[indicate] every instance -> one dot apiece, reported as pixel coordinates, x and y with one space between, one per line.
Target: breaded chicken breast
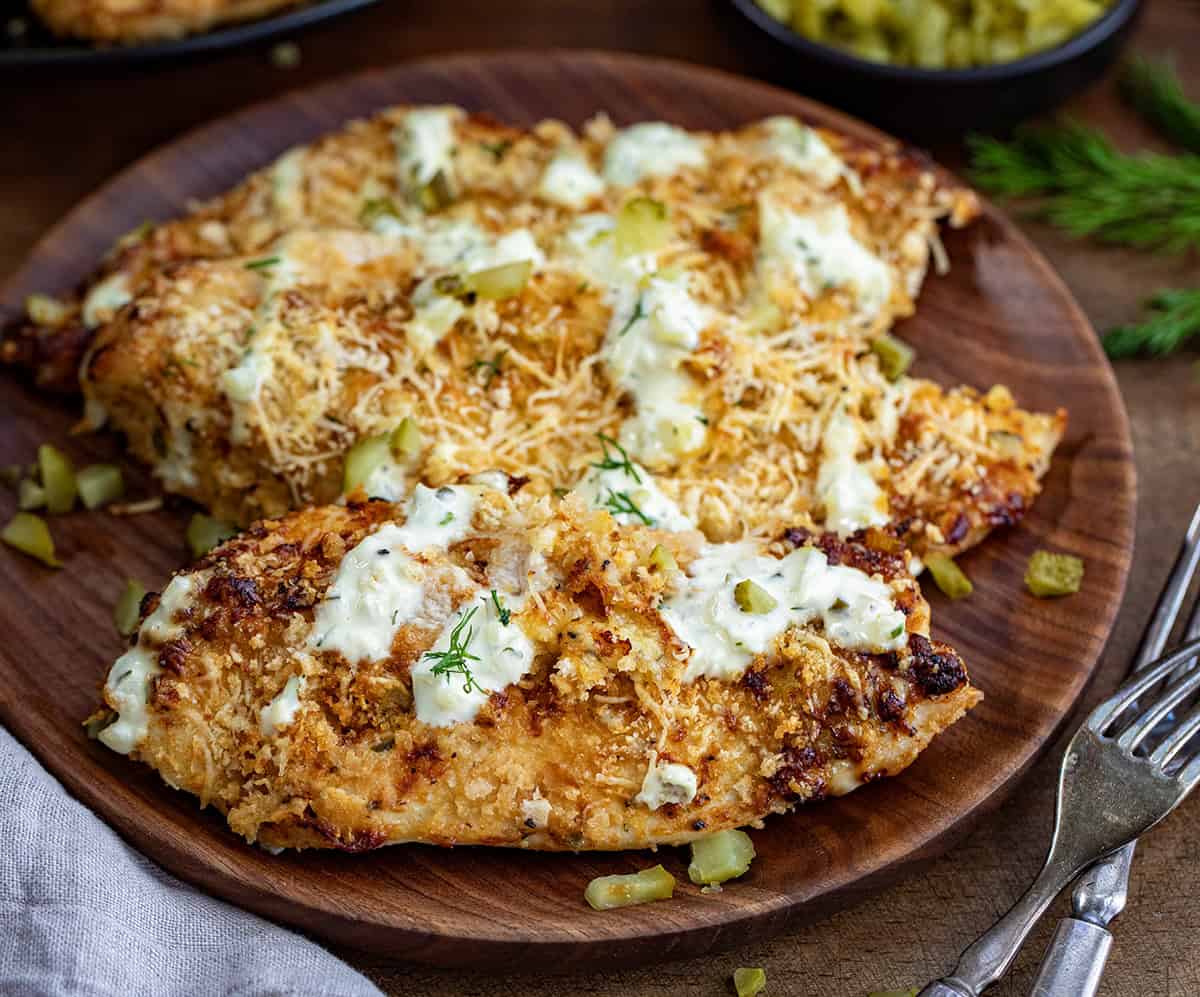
479 668
130 22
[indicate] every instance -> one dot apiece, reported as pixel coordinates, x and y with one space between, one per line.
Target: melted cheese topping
379 586
857 611
666 782
845 488
818 250
569 180
606 488
424 144
500 655
130 678
282 710
650 149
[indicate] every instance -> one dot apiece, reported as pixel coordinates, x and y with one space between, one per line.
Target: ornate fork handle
986 959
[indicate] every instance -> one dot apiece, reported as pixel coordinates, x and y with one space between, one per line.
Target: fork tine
1169 602
1177 739
1128 694
1172 696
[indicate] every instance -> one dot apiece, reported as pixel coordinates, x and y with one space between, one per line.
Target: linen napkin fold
82 913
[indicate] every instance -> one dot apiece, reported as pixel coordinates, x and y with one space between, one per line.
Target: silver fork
1122 773
1074 960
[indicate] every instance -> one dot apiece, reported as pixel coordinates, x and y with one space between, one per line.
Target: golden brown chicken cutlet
131 22
478 668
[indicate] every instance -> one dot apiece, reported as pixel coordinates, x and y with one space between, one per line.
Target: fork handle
984 961
1075 961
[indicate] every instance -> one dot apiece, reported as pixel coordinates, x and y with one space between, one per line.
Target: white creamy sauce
845 486
388 480
801 148
569 180
516 246
655 324
817 248
176 470
857 611
434 315
105 299
650 149
535 811
666 782
287 187
424 143
282 710
379 586
129 679
500 654
609 488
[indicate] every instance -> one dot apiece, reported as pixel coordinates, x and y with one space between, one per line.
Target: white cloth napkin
82 913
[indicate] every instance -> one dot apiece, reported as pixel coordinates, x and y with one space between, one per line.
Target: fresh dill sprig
638 313
491 366
1153 89
620 502
453 661
502 611
1174 317
619 462
263 264
1089 188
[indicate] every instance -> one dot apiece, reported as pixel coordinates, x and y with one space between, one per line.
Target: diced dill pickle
127 610
58 478
30 535
100 484
204 533
375 208
1053 574
895 357
606 892
948 575
362 459
46 311
436 194
721 856
663 559
748 982
30 495
642 226
98 721
504 281
753 598
405 440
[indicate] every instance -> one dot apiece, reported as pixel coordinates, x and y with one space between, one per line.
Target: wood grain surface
1000 316
76 131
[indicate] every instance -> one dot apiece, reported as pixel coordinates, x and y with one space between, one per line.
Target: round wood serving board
1001 315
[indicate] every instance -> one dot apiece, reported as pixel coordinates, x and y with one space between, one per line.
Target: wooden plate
1000 316
39 46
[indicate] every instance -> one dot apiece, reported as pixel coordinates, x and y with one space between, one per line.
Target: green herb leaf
1088 188
502 611
1152 88
1174 317
262 264
638 315
620 503
491 366
615 462
453 661
497 149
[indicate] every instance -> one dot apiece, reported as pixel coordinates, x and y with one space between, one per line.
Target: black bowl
939 101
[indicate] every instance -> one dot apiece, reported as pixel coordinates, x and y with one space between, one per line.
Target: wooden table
66 134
